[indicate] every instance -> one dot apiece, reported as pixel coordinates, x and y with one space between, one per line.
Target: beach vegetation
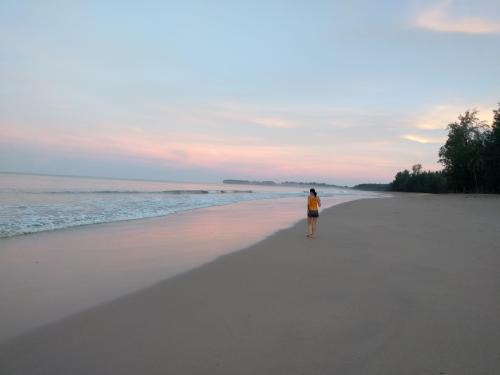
492 155
420 181
462 154
373 187
470 157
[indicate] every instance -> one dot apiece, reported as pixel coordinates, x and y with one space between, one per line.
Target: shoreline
401 285
49 275
188 210
69 203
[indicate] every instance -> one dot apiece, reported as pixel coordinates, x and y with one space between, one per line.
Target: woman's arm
319 202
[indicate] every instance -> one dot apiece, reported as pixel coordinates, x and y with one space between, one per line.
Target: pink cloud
423 139
238 158
439 116
438 18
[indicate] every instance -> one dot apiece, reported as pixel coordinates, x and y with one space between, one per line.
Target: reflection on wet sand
49 275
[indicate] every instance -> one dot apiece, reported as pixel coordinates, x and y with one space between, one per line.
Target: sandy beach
401 285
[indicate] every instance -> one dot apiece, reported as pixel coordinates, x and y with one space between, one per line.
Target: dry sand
403 285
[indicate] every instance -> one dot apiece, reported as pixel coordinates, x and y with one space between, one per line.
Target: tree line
470 157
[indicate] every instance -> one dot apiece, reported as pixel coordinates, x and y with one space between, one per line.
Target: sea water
36 203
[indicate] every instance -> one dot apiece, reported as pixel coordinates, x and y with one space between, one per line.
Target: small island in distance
285 183
372 187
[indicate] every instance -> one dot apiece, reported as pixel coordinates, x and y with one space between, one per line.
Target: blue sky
337 91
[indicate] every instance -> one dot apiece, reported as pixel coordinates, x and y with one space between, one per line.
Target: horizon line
172 181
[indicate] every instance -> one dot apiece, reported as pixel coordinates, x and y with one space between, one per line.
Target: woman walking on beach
313 204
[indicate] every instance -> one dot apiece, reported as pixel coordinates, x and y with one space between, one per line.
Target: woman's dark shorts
312 213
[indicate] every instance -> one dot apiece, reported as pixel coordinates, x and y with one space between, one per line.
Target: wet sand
403 285
47 276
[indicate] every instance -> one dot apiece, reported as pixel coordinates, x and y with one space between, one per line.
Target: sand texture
401 285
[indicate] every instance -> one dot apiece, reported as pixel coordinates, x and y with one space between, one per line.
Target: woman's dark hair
313 191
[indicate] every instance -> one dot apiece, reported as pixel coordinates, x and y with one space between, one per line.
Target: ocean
38 203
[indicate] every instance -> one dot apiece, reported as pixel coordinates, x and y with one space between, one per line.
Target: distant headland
285 183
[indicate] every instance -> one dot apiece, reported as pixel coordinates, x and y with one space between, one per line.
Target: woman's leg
313 226
309 226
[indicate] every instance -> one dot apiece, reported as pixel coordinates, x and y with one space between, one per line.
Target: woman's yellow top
312 204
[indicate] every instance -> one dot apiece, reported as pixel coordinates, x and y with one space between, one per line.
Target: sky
343 92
